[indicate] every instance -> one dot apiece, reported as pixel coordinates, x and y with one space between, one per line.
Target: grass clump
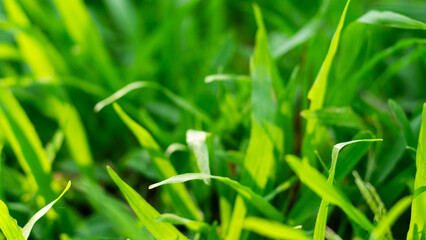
212 119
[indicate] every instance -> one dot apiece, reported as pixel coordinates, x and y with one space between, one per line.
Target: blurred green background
60 57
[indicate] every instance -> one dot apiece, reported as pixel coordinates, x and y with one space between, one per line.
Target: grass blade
391 19
164 168
418 207
192 225
247 193
321 221
317 93
259 159
179 101
403 123
8 225
26 144
317 183
146 213
273 230
26 230
197 142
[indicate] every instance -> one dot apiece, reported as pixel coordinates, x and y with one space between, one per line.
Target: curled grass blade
197 142
255 199
321 221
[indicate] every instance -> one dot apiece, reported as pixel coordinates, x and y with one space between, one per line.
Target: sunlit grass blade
8 52
146 213
163 166
317 93
318 90
317 183
389 219
418 207
255 199
273 229
8 225
320 224
26 230
197 142
391 19
21 135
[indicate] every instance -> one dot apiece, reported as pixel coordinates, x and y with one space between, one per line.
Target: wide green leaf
146 213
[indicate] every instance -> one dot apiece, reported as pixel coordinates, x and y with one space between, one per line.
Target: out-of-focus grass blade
8 225
83 32
196 141
304 34
343 98
190 224
53 146
389 219
226 77
343 117
273 229
259 159
145 212
165 169
391 19
403 123
26 230
320 224
21 135
371 196
179 101
317 183
281 188
255 199
418 208
8 51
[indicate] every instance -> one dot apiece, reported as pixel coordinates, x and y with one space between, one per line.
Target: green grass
212 119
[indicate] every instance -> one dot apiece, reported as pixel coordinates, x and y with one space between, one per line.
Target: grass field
196 119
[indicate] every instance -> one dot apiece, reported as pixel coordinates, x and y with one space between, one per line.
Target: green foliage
232 107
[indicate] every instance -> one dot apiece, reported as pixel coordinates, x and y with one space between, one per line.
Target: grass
212 119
